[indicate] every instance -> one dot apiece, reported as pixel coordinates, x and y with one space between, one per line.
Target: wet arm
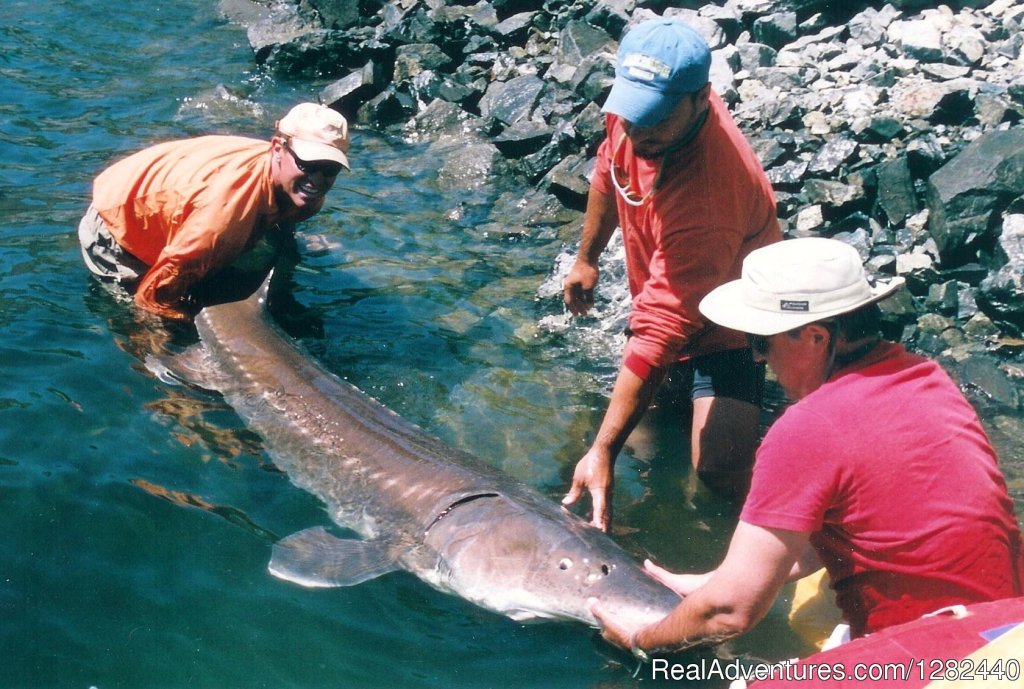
736 596
599 224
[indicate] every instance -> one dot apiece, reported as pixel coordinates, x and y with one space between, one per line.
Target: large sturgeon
419 504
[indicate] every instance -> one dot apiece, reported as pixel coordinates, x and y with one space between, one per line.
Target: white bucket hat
793 283
316 132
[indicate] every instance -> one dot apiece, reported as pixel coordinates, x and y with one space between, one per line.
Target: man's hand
613 631
683 584
578 288
594 473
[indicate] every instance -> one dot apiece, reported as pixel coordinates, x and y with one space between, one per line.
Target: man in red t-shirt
880 470
677 175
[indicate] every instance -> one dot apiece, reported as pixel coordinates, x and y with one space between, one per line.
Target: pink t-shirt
713 206
888 467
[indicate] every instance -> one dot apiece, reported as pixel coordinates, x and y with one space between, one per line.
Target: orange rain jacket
187 208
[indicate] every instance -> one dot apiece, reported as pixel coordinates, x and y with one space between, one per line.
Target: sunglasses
759 344
327 168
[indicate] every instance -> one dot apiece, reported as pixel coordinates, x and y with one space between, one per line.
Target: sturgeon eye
564 563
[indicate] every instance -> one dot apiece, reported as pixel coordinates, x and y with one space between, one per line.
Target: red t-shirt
713 206
888 467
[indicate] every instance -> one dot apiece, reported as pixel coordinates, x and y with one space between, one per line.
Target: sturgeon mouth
458 503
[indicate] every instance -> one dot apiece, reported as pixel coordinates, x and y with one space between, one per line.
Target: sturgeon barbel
418 504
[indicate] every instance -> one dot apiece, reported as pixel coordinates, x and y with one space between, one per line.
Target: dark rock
1001 295
969 273
965 195
414 58
834 153
987 377
775 30
882 129
343 14
569 181
523 138
468 165
515 29
348 93
512 101
896 193
787 175
443 118
943 298
924 156
387 108
611 15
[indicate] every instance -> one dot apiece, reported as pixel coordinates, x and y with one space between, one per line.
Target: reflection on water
139 515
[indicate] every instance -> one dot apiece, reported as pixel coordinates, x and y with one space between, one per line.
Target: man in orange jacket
166 218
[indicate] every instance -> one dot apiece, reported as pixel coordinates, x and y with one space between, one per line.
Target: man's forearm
599 224
630 398
694 622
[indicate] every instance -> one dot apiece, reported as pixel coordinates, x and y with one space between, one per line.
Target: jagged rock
386 108
869 27
896 193
511 101
1002 294
775 30
837 196
965 195
985 375
523 138
348 93
834 153
944 298
414 58
445 119
467 165
919 38
341 14
515 29
569 181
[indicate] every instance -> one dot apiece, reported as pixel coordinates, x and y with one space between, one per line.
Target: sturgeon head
530 560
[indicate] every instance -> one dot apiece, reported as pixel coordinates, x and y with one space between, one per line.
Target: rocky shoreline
897 128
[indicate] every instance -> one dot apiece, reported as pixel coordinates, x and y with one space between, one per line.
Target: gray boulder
966 195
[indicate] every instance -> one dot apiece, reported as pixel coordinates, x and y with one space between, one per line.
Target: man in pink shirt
167 218
677 175
880 470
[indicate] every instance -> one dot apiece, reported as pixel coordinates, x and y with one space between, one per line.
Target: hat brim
725 306
640 105
312 150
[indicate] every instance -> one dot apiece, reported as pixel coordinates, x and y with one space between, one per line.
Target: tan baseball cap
316 132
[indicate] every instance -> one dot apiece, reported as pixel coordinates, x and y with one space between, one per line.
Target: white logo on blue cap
645 67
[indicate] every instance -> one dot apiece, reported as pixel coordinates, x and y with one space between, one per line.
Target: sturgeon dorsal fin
263 293
315 558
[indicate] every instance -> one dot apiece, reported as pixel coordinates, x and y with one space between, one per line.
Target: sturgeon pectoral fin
315 558
189 367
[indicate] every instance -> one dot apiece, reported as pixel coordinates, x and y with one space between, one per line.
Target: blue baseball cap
659 61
